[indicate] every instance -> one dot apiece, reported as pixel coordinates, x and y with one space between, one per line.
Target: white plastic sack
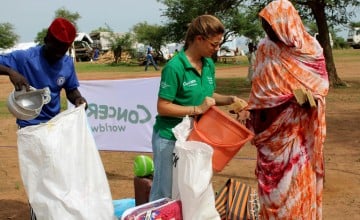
192 173
62 171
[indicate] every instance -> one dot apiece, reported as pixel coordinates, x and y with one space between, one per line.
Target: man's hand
75 97
79 101
18 81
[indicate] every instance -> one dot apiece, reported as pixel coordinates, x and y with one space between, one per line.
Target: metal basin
27 105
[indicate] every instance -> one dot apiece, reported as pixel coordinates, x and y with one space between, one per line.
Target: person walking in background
46 66
289 136
96 54
187 87
251 59
150 58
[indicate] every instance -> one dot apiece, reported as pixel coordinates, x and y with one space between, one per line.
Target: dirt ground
342 152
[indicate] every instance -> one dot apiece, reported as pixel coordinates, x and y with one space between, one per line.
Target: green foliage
340 43
311 27
71 16
40 36
8 38
246 23
326 14
151 34
241 16
180 13
121 41
337 11
355 24
119 44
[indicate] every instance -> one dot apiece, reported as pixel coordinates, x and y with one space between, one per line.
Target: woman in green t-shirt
186 88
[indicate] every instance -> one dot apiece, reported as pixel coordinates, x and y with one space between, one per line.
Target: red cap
63 30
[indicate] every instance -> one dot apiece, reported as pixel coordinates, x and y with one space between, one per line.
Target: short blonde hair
204 25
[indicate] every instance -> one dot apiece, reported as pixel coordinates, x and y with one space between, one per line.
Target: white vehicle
354 38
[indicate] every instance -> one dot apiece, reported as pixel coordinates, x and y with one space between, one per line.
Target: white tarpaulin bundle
62 170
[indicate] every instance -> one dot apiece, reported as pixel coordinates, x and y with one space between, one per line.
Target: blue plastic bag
121 205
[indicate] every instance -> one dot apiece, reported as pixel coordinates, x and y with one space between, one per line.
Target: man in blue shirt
46 66
150 58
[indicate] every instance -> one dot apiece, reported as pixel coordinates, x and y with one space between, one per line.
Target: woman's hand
243 116
238 107
207 103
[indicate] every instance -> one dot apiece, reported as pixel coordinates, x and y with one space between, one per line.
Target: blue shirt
149 53
40 74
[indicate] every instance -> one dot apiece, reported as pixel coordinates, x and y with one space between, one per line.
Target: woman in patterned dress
289 136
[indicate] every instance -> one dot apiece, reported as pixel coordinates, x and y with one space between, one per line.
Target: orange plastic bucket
223 133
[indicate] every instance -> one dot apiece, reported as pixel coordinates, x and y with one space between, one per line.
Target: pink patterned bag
157 210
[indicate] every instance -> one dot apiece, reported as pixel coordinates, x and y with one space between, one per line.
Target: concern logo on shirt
60 81
190 83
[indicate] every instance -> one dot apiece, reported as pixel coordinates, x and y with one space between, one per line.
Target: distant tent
19 46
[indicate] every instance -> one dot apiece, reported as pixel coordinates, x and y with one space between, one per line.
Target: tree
39 39
59 13
334 11
318 10
355 24
8 38
151 34
119 44
64 13
247 24
338 42
180 13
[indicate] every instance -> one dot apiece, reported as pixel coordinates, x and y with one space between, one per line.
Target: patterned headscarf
296 61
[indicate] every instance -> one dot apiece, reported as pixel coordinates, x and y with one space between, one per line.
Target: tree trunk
318 9
117 54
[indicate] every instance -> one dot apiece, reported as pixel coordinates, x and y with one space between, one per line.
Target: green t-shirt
183 85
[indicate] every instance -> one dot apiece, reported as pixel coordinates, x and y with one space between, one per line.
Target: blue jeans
163 167
150 59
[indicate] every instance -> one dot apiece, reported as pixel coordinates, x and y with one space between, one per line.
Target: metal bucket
27 105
